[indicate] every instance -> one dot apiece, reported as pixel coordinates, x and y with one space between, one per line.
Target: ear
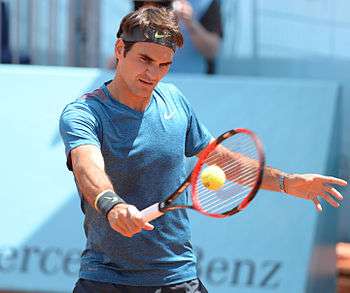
119 48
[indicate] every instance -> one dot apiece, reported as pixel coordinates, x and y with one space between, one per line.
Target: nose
153 72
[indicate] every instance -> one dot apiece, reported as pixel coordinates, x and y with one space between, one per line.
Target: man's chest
157 138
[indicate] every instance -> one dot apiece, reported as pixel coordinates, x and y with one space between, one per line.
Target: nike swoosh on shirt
168 116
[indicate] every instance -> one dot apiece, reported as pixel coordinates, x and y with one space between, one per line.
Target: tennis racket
239 154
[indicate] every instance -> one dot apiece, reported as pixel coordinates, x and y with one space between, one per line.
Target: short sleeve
197 135
78 126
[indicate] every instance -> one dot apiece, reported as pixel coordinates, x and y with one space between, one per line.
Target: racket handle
151 213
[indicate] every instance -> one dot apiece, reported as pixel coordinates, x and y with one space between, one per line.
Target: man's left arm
306 186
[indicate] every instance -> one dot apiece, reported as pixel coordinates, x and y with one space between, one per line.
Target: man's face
143 66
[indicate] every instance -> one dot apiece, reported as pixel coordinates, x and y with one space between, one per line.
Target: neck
121 92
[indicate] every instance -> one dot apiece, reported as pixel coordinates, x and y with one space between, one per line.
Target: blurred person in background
201 26
6 56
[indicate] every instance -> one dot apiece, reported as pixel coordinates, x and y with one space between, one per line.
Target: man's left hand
312 186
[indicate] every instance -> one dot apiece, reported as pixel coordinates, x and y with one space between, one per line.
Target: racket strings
204 190
234 166
238 159
236 188
209 199
222 205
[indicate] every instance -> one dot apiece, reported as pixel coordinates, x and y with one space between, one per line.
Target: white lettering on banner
49 260
216 272
242 273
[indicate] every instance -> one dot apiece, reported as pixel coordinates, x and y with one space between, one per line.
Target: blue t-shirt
145 158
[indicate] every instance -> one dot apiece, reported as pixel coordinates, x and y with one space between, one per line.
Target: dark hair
127 47
139 4
159 18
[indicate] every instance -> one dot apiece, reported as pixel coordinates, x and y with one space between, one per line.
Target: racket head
243 175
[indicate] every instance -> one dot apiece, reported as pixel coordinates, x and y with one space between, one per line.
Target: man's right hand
127 220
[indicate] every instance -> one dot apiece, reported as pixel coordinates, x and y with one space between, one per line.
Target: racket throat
162 207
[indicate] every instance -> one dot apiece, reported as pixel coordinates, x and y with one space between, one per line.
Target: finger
130 225
141 223
334 192
148 227
127 225
136 218
317 204
122 230
330 200
137 223
333 180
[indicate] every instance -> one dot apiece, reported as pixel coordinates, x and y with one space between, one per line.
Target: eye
164 65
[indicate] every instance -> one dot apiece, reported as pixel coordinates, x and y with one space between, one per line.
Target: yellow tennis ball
213 177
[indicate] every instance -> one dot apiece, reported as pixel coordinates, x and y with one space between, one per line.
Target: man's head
147 40
151 24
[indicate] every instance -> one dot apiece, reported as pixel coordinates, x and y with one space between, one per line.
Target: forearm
223 157
271 179
206 42
91 180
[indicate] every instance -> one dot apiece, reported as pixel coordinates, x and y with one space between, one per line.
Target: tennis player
126 143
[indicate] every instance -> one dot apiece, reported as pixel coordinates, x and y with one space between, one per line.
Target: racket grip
151 213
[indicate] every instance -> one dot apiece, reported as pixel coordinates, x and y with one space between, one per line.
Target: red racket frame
204 155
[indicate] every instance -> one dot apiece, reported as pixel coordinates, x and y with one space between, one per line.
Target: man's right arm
89 171
88 168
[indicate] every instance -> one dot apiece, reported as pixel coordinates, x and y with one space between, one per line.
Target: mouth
146 82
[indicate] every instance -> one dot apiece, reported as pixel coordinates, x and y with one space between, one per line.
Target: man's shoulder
169 91
95 95
89 100
166 88
87 104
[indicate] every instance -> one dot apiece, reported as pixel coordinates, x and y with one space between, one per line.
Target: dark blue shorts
87 286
